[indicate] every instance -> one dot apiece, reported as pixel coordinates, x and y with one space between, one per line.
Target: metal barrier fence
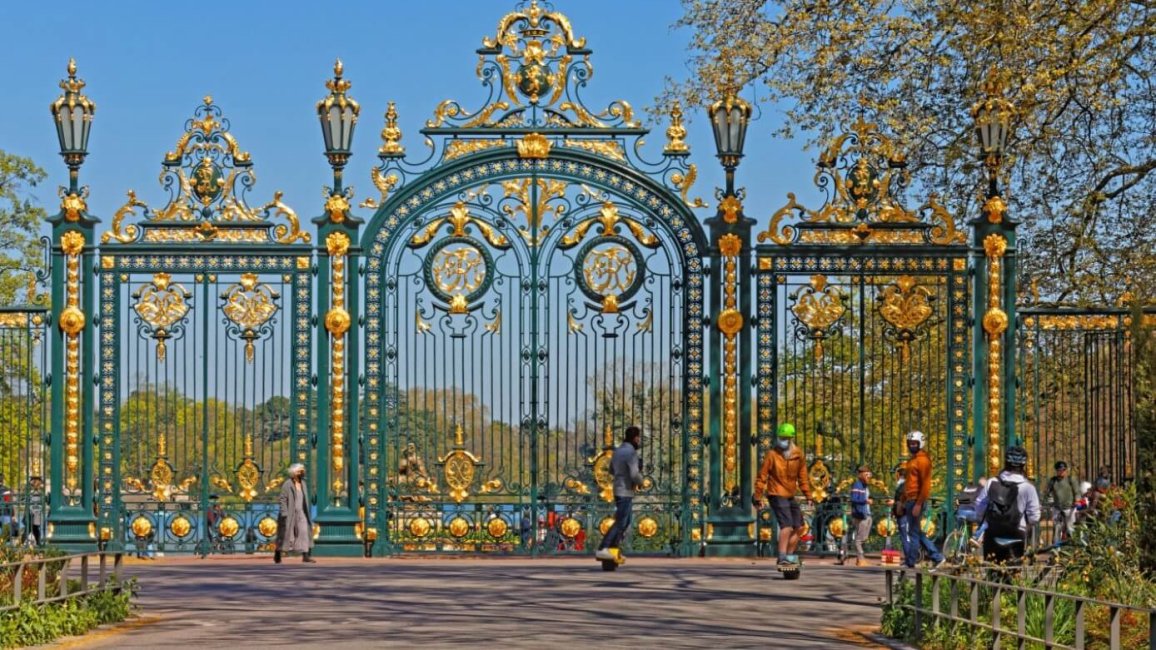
54 575
979 598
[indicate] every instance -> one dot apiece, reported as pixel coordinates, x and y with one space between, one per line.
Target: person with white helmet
916 492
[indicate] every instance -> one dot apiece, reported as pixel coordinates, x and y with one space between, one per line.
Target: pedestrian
624 467
1062 492
861 502
294 522
36 509
1010 507
781 476
916 492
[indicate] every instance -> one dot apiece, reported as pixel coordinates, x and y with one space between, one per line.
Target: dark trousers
622 508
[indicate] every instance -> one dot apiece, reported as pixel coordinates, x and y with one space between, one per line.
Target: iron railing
979 597
59 587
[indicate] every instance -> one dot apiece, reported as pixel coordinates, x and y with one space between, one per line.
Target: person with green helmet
782 475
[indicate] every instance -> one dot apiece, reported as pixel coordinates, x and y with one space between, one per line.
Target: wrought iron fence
23 421
58 578
1041 617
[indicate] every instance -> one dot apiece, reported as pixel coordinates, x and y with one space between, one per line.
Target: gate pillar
730 522
994 250
339 439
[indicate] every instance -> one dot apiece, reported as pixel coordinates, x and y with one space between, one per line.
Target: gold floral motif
267 526
419 527
730 207
229 527
534 145
73 205
533 214
459 527
995 323
161 305
72 322
249 305
819 308
338 207
647 527
730 245
570 527
459 148
337 322
141 526
180 526
1077 322
607 148
730 321
605 525
905 306
459 468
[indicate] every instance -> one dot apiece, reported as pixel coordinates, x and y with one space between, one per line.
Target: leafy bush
37 624
1103 563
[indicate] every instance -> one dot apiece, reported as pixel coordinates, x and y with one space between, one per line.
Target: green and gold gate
863 323
532 290
205 359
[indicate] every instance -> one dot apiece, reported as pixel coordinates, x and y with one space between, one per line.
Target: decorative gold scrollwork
818 309
249 305
906 308
459 269
459 468
610 267
162 306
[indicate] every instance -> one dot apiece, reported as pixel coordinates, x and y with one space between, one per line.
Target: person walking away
624 466
36 509
782 474
1061 494
916 492
861 502
294 523
1010 507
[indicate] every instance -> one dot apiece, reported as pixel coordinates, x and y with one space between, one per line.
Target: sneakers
939 565
860 562
783 561
604 554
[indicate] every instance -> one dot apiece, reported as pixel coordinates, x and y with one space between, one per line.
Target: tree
21 255
1081 157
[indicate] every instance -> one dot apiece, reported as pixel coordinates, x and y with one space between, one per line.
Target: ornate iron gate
863 328
531 293
23 419
205 354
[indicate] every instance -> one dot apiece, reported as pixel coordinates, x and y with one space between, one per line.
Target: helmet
786 430
1016 457
917 436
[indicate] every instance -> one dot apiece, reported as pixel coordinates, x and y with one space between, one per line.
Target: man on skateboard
781 476
624 465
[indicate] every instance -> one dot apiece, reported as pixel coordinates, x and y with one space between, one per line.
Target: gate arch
528 294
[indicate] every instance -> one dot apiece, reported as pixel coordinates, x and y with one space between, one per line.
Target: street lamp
729 117
992 125
73 112
338 116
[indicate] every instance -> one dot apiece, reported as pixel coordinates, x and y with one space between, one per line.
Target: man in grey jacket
1009 496
627 476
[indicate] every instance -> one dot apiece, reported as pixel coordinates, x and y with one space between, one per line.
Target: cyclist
782 474
1010 507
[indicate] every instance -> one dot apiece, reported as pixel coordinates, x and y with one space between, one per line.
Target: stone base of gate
731 533
338 539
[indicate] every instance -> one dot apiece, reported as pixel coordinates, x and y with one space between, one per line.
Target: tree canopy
20 220
1079 173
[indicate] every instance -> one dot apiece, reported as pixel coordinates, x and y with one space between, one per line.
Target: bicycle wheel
954 547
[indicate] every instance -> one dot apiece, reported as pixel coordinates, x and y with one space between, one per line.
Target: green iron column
338 474
72 479
730 520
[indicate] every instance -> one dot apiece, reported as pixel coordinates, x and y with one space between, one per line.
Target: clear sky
148 64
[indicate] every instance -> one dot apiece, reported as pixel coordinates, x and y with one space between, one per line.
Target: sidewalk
490 603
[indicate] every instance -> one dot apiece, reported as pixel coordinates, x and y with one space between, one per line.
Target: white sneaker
604 554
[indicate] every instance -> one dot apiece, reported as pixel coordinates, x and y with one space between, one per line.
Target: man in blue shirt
860 513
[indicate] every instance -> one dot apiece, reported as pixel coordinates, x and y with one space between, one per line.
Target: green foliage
1103 564
20 220
37 624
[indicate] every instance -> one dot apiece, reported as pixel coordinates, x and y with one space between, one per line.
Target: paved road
450 603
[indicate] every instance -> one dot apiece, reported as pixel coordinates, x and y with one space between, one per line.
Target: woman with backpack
1011 506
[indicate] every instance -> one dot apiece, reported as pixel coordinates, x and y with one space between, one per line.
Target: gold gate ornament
459 467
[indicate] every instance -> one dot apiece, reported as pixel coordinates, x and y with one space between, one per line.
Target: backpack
1003 509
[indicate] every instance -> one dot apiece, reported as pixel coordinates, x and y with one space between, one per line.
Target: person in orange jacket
782 474
916 492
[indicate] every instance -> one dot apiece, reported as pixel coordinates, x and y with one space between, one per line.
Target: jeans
622 506
914 538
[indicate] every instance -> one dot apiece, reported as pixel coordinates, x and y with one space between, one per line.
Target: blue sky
148 64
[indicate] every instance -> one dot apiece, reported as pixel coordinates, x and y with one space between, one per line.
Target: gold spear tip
71 68
338 68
